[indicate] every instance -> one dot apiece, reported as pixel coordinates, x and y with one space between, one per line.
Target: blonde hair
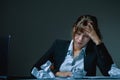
82 21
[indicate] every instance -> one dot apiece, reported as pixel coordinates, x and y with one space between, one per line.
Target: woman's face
81 39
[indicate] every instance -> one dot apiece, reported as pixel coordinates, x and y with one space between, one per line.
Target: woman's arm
63 74
104 59
47 56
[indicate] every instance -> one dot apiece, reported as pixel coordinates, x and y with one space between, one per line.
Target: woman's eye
86 36
78 34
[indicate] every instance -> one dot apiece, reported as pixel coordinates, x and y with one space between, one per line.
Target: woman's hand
89 30
63 74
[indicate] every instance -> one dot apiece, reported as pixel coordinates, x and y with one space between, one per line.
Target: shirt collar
71 46
70 49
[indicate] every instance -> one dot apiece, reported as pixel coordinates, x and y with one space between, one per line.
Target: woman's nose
80 38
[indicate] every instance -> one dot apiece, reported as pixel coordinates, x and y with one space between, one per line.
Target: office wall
35 24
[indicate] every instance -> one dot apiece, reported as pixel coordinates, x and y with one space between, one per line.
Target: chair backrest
4 45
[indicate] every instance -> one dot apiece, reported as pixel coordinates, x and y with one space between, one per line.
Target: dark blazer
95 56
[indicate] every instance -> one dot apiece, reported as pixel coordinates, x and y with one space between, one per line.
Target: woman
85 51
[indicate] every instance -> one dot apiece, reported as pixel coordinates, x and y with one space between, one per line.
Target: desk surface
63 78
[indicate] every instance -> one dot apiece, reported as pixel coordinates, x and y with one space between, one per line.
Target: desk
68 78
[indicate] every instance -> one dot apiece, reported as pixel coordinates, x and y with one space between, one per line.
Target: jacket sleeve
104 60
47 56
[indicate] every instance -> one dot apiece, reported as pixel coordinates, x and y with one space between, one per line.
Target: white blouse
70 63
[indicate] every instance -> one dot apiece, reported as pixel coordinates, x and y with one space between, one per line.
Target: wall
35 24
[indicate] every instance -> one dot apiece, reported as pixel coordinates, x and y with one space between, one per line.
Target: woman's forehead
81 32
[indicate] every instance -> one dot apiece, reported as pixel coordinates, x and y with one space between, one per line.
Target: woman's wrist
98 42
63 74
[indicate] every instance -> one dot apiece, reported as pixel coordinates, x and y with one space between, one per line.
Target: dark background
35 24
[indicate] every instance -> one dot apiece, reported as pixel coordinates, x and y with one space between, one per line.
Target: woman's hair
83 21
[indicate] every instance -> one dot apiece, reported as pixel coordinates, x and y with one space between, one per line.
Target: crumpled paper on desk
44 73
78 73
114 71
